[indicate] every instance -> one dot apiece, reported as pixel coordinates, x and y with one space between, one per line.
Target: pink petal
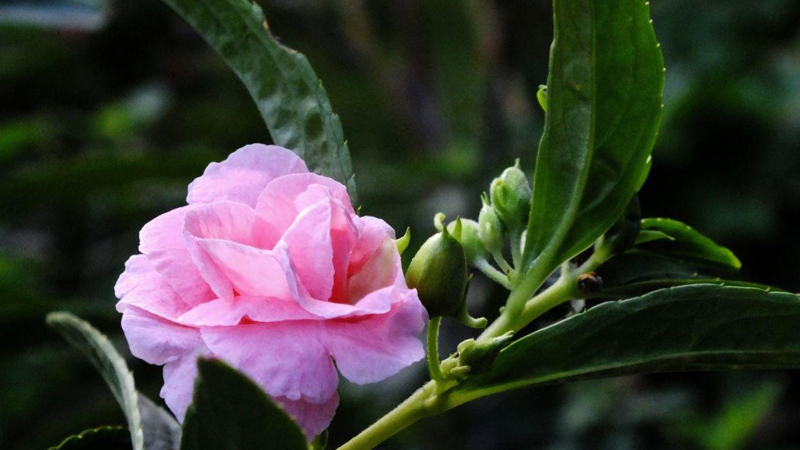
257 309
217 227
376 347
245 173
313 418
372 232
308 243
161 240
277 202
286 359
179 378
157 340
251 271
382 269
142 287
230 221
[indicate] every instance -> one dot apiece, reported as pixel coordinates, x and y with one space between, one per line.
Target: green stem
501 261
436 397
516 248
434 366
405 414
492 273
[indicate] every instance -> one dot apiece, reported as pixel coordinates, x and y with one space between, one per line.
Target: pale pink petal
379 346
161 240
179 378
277 202
230 221
255 309
284 358
382 269
217 225
157 340
308 243
142 287
313 418
251 271
372 232
245 173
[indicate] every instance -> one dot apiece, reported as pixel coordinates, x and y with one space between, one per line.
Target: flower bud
490 229
479 356
511 197
469 238
439 273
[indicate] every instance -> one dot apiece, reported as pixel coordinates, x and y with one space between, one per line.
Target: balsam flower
270 269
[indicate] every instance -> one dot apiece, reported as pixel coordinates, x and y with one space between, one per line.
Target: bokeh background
109 108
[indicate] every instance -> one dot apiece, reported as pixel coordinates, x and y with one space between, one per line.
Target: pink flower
270 269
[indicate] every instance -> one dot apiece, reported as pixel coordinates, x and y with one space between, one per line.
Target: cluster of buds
439 270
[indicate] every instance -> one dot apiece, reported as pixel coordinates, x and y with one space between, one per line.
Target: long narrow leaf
695 327
603 112
151 428
286 90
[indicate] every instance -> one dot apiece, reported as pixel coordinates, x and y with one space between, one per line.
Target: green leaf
320 442
151 428
287 92
100 438
687 243
695 327
161 430
604 107
646 236
735 425
231 412
108 361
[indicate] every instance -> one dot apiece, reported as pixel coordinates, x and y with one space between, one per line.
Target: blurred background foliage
110 108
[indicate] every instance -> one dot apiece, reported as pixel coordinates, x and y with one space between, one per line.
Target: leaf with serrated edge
695 327
106 438
230 411
604 108
287 92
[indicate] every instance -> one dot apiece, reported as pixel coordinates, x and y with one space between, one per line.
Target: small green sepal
542 97
403 241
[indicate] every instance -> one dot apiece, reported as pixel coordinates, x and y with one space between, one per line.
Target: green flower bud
469 238
490 229
511 197
439 273
479 356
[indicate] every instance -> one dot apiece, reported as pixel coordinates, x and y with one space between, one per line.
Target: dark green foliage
286 90
230 412
696 327
604 107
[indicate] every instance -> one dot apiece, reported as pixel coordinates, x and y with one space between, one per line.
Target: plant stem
437 396
434 366
501 261
405 414
492 273
516 248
